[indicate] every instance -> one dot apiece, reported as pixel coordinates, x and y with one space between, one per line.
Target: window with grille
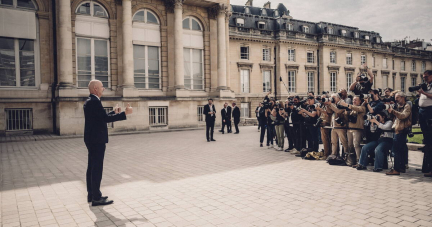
349 59
291 55
311 81
356 35
93 61
362 59
266 54
403 85
244 111
107 110
244 53
193 69
423 65
330 30
240 22
266 80
413 81
393 64
384 63
146 67
349 80
305 29
385 81
403 65
291 81
244 80
333 82
19 119
373 61
289 27
394 82
200 113
413 66
158 116
343 32
310 57
333 57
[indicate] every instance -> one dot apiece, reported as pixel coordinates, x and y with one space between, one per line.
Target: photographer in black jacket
298 126
310 118
425 120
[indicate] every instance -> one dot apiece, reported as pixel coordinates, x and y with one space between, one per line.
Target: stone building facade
166 57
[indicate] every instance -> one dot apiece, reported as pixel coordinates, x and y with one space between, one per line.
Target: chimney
249 3
267 5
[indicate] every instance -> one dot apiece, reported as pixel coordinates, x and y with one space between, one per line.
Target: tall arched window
193 43
146 43
92 44
19 43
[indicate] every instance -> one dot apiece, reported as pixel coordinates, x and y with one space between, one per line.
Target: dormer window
247 10
240 22
329 30
366 37
263 12
261 25
276 13
289 27
305 29
343 32
356 35
378 40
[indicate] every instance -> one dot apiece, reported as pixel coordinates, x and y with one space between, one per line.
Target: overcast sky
393 19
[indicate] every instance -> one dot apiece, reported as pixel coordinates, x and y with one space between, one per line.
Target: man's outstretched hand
128 109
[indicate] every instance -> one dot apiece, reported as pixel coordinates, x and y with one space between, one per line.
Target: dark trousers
313 140
259 124
399 149
209 129
425 113
270 130
236 125
96 154
228 125
262 123
289 131
299 136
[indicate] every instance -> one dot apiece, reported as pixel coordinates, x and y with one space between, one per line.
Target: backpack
336 160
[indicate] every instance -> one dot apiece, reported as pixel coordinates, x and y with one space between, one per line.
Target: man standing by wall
96 138
210 117
257 112
226 119
236 116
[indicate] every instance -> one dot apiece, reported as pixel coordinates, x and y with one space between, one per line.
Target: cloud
393 19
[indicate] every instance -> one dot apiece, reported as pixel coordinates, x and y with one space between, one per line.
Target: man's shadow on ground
103 216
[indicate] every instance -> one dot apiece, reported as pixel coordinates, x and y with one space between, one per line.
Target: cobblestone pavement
179 179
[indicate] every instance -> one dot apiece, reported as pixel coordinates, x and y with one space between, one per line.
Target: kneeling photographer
355 114
378 147
402 124
425 120
339 123
310 118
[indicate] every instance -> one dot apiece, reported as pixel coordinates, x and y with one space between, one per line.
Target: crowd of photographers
370 125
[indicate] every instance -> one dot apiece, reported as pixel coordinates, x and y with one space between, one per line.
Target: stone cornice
267 66
311 67
171 4
349 69
333 67
292 67
243 65
385 72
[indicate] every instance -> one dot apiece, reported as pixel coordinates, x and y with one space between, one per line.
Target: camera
388 106
281 109
422 86
352 118
363 77
298 108
391 99
316 105
368 117
326 100
342 107
302 101
318 123
340 121
365 96
266 104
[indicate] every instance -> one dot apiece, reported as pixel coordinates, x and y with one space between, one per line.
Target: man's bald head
96 88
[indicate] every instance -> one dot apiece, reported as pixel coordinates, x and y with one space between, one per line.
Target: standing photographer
356 125
279 122
257 112
325 116
372 107
310 117
344 96
270 125
401 125
298 125
425 120
363 84
339 123
289 130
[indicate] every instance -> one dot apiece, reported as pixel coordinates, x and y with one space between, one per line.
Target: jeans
270 129
399 149
313 133
280 135
379 147
354 139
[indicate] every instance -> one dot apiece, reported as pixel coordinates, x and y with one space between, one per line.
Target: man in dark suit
210 117
236 116
96 138
226 118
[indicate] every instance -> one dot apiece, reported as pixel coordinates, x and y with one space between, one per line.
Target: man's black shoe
102 202
223 132
236 132
377 170
360 167
213 140
261 145
208 140
89 198
220 131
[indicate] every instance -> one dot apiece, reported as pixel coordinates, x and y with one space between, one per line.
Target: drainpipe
275 77
318 72
54 84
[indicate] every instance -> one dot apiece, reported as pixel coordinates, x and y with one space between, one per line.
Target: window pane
84 9
139 16
195 25
27 65
153 69
101 60
7 2
186 23
187 69
197 56
99 11
25 4
84 62
139 66
7 62
151 18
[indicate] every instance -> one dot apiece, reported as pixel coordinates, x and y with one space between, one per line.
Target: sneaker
271 146
287 150
280 149
360 167
295 151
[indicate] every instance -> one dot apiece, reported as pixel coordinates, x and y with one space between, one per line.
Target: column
221 41
65 44
128 64
178 45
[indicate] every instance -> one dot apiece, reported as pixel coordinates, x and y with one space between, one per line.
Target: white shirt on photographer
424 101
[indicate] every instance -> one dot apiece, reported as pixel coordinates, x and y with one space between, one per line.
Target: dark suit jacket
208 116
236 114
229 112
96 119
226 115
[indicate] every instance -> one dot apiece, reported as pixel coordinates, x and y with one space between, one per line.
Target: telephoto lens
318 123
365 96
388 106
422 86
